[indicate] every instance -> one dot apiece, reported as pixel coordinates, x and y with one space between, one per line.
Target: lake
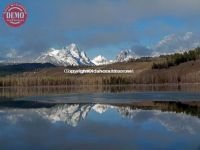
114 118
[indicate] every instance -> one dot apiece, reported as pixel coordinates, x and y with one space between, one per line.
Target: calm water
127 119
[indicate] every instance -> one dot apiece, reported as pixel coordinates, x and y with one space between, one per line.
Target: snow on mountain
101 108
67 56
125 55
100 60
70 114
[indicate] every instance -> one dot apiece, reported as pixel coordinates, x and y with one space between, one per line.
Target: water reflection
72 114
14 92
138 125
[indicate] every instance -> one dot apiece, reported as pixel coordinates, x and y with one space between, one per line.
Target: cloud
93 24
177 42
11 54
169 44
141 51
108 12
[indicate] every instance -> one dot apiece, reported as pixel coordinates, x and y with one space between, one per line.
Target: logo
15 15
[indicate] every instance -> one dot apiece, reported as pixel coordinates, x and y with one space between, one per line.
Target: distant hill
19 68
177 59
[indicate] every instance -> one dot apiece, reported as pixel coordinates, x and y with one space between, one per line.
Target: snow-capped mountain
72 114
125 55
100 60
67 56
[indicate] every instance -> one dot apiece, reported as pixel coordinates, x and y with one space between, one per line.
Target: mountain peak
69 56
100 60
100 57
125 55
72 46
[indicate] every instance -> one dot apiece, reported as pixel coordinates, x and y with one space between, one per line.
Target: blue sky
103 27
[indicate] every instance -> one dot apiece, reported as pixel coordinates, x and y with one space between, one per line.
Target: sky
148 27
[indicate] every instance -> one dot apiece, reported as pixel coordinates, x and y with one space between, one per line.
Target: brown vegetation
187 72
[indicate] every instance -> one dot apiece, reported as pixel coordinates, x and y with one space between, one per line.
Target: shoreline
105 85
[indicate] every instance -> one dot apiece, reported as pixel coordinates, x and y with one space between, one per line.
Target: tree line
178 58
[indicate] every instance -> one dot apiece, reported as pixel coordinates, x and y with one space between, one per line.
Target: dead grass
188 72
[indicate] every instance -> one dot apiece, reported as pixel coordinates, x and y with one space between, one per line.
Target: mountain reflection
175 116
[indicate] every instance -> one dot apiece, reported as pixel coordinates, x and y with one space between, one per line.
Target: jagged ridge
68 56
